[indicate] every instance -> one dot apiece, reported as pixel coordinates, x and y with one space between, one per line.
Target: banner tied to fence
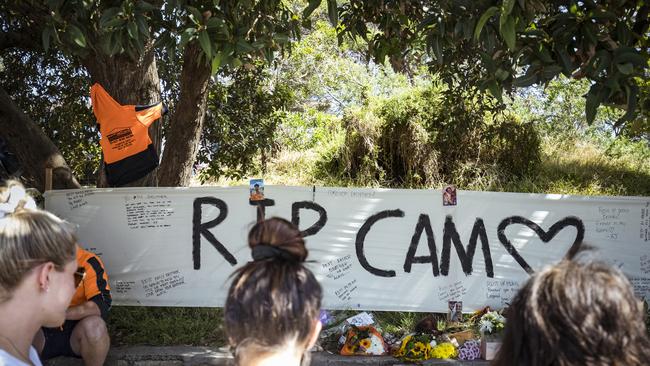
372 249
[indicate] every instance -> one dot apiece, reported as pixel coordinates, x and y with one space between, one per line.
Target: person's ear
315 331
43 276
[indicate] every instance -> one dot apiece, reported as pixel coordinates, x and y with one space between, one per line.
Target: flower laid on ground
415 348
491 322
365 340
444 350
470 350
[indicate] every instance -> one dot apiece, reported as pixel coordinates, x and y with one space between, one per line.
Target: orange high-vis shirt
94 286
128 150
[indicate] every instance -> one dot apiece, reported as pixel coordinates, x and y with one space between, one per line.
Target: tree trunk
130 82
182 142
33 148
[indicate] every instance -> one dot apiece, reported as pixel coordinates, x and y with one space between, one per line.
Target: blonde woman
37 273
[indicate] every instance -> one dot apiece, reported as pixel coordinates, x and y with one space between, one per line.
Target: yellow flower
365 343
444 350
419 347
404 343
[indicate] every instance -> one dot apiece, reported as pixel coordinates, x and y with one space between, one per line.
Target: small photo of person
455 311
449 196
256 189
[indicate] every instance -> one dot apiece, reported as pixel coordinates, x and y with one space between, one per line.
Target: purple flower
470 350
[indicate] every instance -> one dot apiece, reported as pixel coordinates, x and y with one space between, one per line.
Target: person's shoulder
84 255
7 359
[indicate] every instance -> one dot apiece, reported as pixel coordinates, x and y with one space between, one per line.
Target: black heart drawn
546 236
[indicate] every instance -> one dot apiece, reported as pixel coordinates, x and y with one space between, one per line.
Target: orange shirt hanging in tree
128 151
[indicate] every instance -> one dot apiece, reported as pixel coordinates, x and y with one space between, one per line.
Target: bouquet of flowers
444 350
492 322
470 350
415 348
363 341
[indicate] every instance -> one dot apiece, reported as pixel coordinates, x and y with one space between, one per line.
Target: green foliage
512 146
301 131
241 123
357 156
499 44
53 91
229 32
418 139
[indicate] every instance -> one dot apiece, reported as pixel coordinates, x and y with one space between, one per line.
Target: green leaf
437 50
601 62
631 92
544 54
145 6
47 34
508 33
468 29
551 71
142 25
186 36
626 68
204 40
195 14
281 38
523 81
333 12
214 22
235 62
506 7
495 90
108 15
588 33
567 64
631 55
484 18
76 35
593 100
501 74
227 50
132 28
244 47
313 5
602 14
216 62
114 23
138 45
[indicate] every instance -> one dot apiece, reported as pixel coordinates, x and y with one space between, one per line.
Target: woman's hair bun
277 239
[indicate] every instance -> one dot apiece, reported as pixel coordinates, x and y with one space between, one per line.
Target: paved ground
195 356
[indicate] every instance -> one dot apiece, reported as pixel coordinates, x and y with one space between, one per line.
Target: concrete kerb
195 356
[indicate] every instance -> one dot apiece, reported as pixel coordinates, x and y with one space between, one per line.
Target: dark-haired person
37 273
575 313
84 333
272 310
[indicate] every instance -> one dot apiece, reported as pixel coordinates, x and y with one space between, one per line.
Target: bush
512 146
354 155
420 139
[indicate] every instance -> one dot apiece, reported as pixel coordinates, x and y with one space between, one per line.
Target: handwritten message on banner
372 249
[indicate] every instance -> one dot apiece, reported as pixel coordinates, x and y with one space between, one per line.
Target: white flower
485 326
376 346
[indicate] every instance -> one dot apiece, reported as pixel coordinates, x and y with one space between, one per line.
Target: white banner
373 249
